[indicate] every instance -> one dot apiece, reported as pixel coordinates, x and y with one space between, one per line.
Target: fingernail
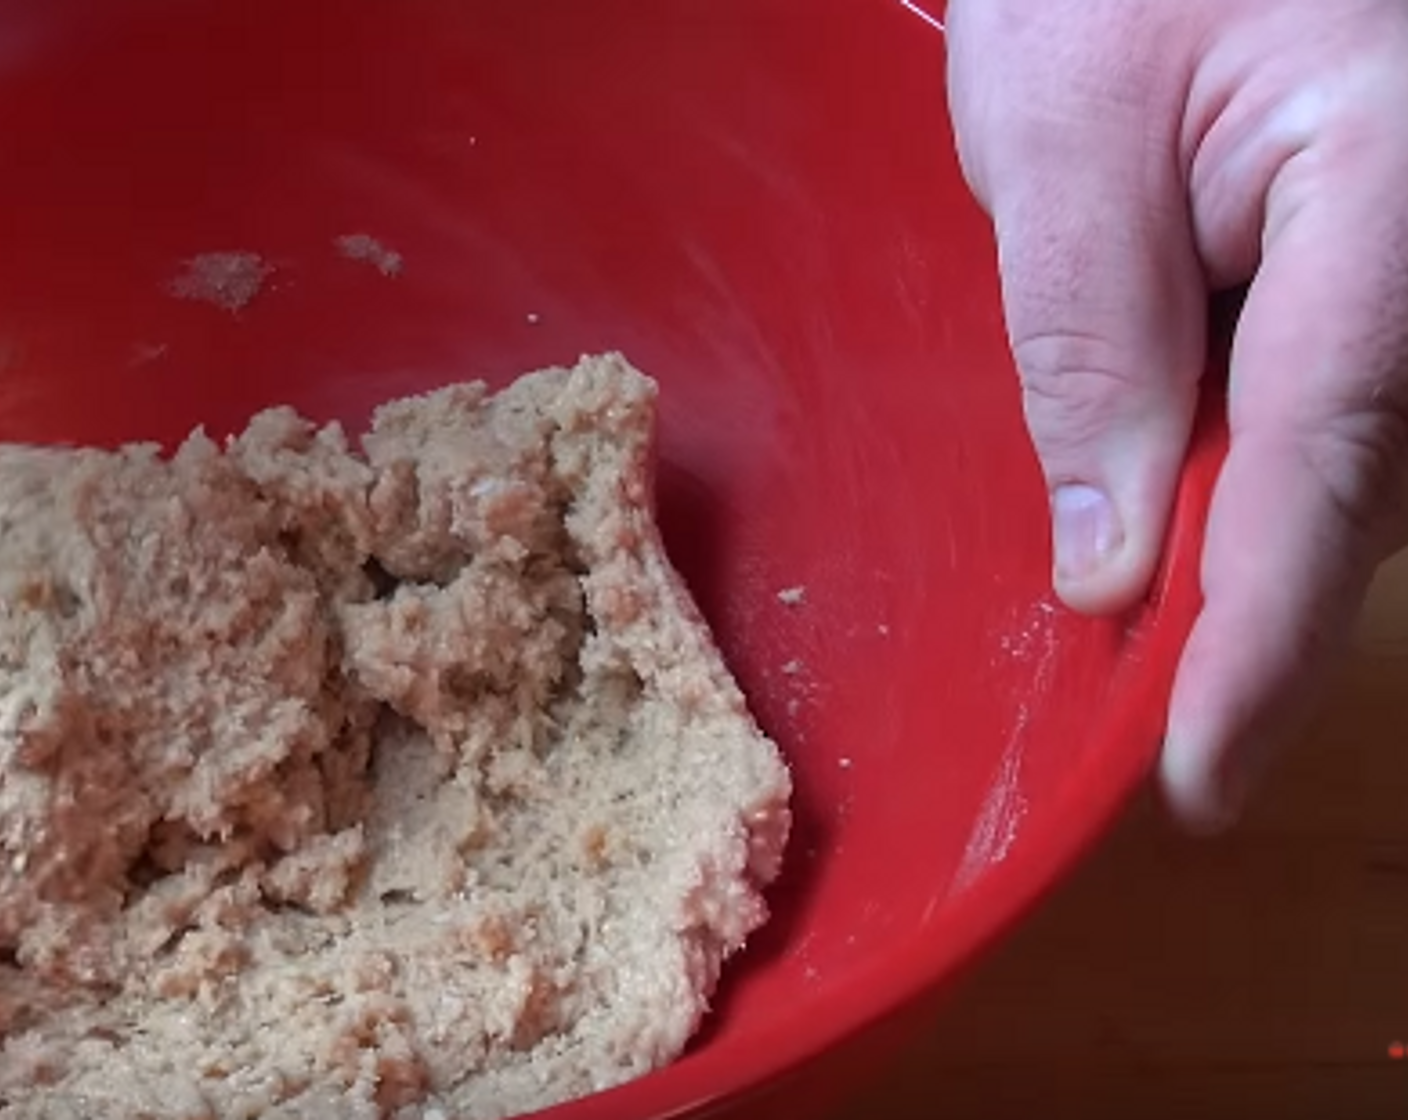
1086 529
1220 817
1243 773
1224 810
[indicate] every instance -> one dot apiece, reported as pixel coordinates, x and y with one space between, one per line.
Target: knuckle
1073 385
1361 458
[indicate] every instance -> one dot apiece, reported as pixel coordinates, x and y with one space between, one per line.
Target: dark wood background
1260 974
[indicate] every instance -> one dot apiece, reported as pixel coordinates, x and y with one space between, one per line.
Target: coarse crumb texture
387 780
229 281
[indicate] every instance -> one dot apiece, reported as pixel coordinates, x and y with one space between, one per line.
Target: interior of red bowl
758 203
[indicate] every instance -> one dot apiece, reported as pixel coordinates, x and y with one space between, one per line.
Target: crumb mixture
391 780
229 281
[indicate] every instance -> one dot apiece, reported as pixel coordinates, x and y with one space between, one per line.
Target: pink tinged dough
377 780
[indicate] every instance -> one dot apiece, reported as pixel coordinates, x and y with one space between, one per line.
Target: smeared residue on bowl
144 353
227 280
800 685
365 247
1033 642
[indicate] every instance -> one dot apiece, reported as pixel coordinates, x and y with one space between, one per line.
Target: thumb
1102 290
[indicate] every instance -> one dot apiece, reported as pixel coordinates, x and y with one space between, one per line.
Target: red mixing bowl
757 201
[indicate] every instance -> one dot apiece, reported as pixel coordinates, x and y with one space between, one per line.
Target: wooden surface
1262 974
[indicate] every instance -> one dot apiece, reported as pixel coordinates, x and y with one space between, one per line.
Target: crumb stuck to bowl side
365 247
229 281
365 781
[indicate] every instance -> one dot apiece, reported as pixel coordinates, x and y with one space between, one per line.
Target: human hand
1136 155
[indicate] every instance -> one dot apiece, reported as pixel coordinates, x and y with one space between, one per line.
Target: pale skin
1135 156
